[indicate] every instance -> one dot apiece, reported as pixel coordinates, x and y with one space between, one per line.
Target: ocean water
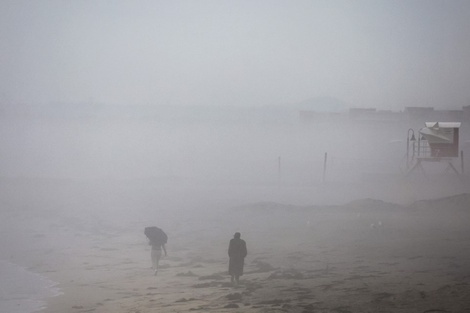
22 291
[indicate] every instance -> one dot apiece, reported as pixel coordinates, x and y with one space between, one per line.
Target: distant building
466 112
418 113
362 113
310 117
414 116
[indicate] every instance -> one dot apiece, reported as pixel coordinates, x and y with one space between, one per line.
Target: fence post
461 162
324 167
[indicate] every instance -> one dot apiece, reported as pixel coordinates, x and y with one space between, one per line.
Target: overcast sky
384 54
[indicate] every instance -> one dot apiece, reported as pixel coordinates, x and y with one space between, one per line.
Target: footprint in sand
212 277
207 285
287 274
187 274
231 306
275 302
234 296
185 300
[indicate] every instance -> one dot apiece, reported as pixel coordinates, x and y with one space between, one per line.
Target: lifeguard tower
438 142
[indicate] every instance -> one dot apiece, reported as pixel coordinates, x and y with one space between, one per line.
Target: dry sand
363 256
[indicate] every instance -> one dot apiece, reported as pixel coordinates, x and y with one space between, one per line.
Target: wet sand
365 255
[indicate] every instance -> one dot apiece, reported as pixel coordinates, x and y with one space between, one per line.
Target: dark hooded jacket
237 252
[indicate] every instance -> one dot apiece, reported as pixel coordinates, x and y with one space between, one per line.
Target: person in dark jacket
237 253
157 239
156 254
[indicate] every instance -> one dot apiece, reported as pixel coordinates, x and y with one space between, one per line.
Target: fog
119 115
210 92
242 151
385 54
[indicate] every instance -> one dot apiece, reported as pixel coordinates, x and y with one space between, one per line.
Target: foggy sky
384 54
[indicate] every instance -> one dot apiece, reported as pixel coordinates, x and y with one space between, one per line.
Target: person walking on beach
157 239
237 252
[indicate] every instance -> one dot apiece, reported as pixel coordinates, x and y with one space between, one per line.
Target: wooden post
407 152
324 167
461 162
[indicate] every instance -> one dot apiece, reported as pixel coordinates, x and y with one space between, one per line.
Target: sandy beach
365 255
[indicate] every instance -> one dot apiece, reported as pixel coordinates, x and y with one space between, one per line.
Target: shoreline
24 290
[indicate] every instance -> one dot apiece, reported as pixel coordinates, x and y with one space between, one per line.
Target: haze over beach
297 124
